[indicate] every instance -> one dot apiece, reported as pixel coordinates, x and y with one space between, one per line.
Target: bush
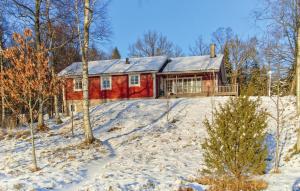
226 183
235 146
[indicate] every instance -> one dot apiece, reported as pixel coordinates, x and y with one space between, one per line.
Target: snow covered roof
145 64
193 63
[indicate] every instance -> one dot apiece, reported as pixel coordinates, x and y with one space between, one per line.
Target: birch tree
84 44
279 118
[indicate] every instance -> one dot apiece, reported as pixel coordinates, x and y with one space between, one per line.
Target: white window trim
74 85
110 80
134 85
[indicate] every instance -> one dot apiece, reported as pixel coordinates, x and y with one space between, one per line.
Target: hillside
139 150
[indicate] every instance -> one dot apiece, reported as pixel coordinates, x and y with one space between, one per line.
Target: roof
145 64
193 63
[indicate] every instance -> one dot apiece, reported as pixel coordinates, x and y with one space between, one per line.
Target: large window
184 85
134 80
106 82
78 84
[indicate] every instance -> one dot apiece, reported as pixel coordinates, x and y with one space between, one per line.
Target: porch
195 86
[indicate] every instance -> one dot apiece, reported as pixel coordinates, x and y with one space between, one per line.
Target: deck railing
228 90
225 90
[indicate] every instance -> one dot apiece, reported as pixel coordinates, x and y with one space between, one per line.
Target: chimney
127 61
212 50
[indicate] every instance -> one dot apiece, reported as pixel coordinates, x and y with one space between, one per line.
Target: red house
148 77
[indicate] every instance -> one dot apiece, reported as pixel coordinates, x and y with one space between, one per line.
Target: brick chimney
127 61
212 50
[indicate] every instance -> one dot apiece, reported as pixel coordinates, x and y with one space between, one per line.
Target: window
184 85
134 80
170 86
106 83
78 84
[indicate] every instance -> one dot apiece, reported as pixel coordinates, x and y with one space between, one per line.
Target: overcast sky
182 21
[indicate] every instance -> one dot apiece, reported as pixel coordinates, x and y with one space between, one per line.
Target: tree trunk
89 138
65 108
40 114
35 168
2 89
277 151
38 45
298 138
298 79
293 86
56 110
37 24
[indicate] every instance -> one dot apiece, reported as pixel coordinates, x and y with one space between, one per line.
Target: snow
139 150
145 64
194 63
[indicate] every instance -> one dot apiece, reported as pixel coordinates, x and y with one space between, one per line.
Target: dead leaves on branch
28 75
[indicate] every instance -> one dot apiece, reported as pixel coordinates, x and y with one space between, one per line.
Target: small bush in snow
235 145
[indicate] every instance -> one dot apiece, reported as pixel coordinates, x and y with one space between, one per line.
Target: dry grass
43 128
291 153
114 129
22 134
231 184
2 135
71 157
185 189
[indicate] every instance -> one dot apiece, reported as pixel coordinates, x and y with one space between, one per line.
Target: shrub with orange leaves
28 76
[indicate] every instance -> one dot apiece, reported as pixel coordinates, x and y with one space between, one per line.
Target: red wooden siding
120 88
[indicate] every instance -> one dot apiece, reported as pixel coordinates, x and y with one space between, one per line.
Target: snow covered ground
140 150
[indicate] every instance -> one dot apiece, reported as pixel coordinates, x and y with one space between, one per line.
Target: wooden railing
228 90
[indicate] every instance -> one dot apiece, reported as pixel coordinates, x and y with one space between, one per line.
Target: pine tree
115 54
235 145
227 63
257 83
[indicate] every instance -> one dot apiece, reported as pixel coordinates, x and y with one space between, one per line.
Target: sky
182 21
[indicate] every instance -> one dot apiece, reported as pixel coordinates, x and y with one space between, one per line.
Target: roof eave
111 74
189 71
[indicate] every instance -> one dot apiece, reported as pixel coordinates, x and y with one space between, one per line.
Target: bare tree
199 48
282 18
177 51
279 117
152 44
221 37
240 53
